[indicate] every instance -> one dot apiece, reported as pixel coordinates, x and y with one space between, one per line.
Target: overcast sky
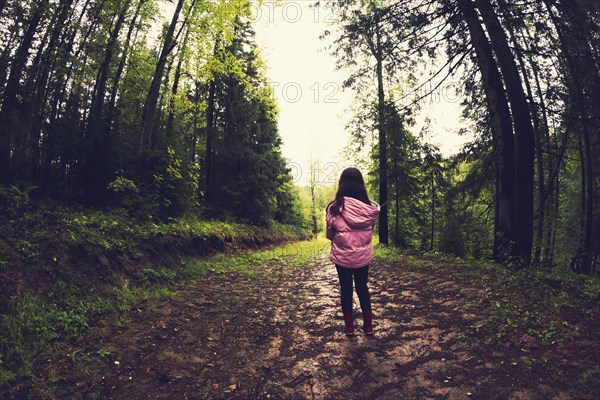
313 108
306 85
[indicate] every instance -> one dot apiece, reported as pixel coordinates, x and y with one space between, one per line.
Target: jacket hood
359 215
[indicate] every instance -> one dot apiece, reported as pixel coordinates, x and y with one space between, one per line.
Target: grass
251 263
35 323
30 323
547 306
114 230
591 375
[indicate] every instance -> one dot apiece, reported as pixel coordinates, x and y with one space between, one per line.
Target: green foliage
288 210
116 231
162 275
127 196
6 376
123 185
125 297
13 195
33 323
13 199
466 228
27 252
251 263
324 193
518 303
250 178
176 185
30 327
42 322
591 376
106 159
103 353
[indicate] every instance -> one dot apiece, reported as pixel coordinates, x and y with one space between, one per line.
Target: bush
175 185
163 275
13 199
129 197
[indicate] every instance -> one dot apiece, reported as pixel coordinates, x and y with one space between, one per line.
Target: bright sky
307 87
313 108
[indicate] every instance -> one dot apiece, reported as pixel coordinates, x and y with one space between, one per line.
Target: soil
279 335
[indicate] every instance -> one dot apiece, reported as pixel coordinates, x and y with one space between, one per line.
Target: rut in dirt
280 336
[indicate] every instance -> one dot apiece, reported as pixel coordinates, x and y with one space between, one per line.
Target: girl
350 220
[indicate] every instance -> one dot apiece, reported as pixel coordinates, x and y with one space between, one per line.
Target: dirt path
228 337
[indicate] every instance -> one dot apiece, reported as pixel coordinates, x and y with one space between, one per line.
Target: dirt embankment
40 249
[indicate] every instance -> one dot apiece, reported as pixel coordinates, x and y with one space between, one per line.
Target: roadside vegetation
63 270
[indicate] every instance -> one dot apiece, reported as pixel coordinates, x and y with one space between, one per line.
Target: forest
525 191
102 107
155 243
97 111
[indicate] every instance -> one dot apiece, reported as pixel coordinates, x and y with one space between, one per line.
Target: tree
366 30
11 145
434 181
149 112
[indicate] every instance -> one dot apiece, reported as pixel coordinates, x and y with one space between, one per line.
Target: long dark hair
351 184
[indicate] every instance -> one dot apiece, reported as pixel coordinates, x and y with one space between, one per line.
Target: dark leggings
361 276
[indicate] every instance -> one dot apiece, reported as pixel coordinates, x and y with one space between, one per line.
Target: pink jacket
351 232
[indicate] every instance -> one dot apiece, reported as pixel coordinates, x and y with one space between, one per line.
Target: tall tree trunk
313 201
524 134
163 97
196 126
10 113
554 231
582 261
27 110
100 151
210 141
583 171
77 57
397 199
382 127
502 131
5 56
121 68
110 120
541 256
149 111
432 209
539 136
47 65
175 88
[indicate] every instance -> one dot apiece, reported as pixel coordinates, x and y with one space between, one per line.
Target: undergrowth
251 263
115 230
520 303
34 323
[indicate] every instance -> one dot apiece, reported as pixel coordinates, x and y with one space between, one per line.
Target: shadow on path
281 337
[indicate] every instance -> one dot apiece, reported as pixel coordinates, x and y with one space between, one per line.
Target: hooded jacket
351 232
